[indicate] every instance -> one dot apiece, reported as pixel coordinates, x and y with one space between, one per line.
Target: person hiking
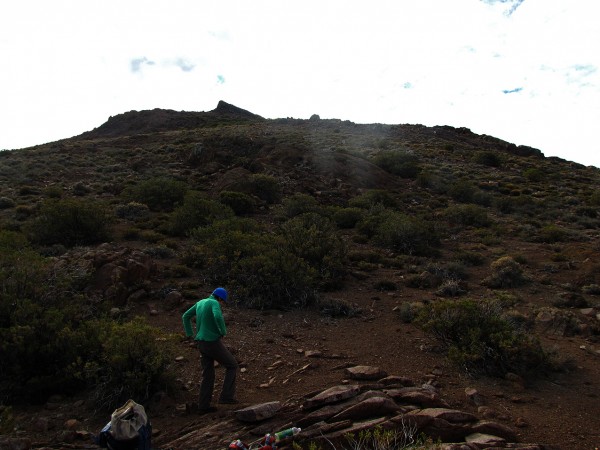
210 329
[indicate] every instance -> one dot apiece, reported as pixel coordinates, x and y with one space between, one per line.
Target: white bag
126 421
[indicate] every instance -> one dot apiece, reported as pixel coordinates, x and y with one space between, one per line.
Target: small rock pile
366 399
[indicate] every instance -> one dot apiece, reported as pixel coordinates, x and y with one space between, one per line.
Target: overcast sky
526 71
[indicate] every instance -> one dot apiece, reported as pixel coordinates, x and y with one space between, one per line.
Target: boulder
365 373
324 413
450 415
496 429
485 440
474 397
425 398
256 413
331 395
367 409
397 380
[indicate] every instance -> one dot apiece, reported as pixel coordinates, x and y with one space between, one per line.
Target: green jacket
210 325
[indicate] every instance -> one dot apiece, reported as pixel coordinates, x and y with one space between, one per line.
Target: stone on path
365 373
331 395
256 413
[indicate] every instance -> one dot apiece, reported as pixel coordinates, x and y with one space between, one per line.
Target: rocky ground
288 356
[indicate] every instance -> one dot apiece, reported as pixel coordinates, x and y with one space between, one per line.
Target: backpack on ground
128 429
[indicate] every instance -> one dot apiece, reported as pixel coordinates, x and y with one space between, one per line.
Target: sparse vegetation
479 337
398 162
55 341
197 211
159 194
506 273
289 214
70 222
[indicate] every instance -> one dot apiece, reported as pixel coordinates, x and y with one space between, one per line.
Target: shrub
432 181
450 288
372 198
506 273
467 215
551 234
406 312
258 266
133 362
488 158
401 163
54 340
132 211
159 194
524 204
462 191
6 203
299 204
591 289
470 258
313 238
338 308
196 211
265 187
406 234
533 174
53 191
80 189
239 202
347 217
70 222
480 338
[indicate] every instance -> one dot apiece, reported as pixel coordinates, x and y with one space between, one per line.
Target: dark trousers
209 353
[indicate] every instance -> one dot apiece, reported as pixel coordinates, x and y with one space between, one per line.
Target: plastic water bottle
237 445
287 433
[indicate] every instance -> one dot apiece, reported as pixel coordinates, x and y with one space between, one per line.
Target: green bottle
287 433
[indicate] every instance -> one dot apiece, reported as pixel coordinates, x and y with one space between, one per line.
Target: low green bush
258 266
70 222
132 211
467 215
551 234
266 187
159 194
488 158
462 191
239 202
480 337
313 238
6 203
534 174
338 308
54 340
347 217
133 362
402 163
196 211
506 273
405 234
373 197
299 204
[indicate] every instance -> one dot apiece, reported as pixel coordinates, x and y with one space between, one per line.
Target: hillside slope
456 204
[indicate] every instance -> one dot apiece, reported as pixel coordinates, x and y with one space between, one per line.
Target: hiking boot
231 401
210 409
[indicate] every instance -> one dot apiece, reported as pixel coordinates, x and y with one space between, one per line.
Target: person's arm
219 321
187 317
